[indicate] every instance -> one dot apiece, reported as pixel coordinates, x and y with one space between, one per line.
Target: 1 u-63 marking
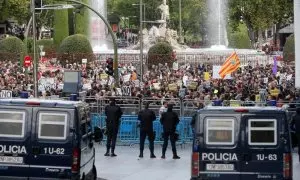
268 157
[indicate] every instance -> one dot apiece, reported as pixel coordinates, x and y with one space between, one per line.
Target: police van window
220 131
262 132
52 126
12 124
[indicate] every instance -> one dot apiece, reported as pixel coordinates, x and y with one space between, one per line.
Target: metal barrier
129 130
130 133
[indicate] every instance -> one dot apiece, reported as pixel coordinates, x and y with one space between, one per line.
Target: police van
44 139
241 143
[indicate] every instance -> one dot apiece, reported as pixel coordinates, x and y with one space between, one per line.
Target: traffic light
110 67
38 4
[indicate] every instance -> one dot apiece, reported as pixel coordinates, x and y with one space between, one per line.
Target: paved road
127 166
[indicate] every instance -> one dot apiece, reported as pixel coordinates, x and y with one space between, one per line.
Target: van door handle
36 150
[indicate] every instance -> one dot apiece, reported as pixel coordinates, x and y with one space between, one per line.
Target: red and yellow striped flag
230 65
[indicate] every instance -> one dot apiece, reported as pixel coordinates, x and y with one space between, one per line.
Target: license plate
219 167
10 159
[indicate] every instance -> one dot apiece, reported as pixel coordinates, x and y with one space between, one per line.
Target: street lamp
180 26
144 9
141 38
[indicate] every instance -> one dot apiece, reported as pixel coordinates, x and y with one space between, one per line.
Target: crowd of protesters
188 81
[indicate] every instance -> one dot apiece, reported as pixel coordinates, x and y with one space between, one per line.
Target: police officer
169 121
147 117
113 114
296 125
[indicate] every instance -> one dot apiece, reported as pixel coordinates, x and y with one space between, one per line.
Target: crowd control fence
129 132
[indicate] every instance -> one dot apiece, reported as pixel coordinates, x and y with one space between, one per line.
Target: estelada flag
230 65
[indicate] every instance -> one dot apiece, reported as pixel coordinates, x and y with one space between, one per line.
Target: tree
160 53
16 9
239 38
289 49
12 49
80 24
75 48
259 15
61 26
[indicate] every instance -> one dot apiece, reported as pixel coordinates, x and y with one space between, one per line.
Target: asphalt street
127 165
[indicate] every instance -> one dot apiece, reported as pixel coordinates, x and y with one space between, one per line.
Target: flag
230 65
274 69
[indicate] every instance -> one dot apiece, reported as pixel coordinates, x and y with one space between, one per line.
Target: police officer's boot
152 153
163 156
141 154
113 152
175 156
107 152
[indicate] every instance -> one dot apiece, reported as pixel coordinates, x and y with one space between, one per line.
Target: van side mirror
98 134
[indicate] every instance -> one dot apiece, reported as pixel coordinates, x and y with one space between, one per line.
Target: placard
126 91
84 61
172 87
46 84
192 85
6 94
206 76
103 76
216 70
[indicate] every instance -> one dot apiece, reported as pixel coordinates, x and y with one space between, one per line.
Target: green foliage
289 49
12 49
28 42
16 9
49 47
75 48
160 53
61 26
82 20
259 14
194 13
239 39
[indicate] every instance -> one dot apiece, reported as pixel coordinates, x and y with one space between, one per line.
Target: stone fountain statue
162 32
165 13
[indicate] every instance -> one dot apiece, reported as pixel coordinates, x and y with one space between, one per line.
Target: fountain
217 54
160 31
99 37
217 23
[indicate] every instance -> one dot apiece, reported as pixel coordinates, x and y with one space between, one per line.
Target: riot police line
129 132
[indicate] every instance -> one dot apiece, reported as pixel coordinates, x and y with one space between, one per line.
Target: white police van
241 143
44 139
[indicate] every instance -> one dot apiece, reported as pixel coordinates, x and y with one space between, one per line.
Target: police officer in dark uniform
113 114
296 126
169 121
146 117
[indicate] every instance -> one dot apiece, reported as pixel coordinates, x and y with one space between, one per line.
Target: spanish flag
230 65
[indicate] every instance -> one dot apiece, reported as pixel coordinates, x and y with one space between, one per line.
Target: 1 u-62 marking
58 151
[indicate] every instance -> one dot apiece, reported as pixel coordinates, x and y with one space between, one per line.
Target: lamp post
144 10
180 26
297 42
35 62
141 42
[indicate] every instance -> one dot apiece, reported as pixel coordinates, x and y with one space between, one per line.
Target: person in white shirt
163 108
